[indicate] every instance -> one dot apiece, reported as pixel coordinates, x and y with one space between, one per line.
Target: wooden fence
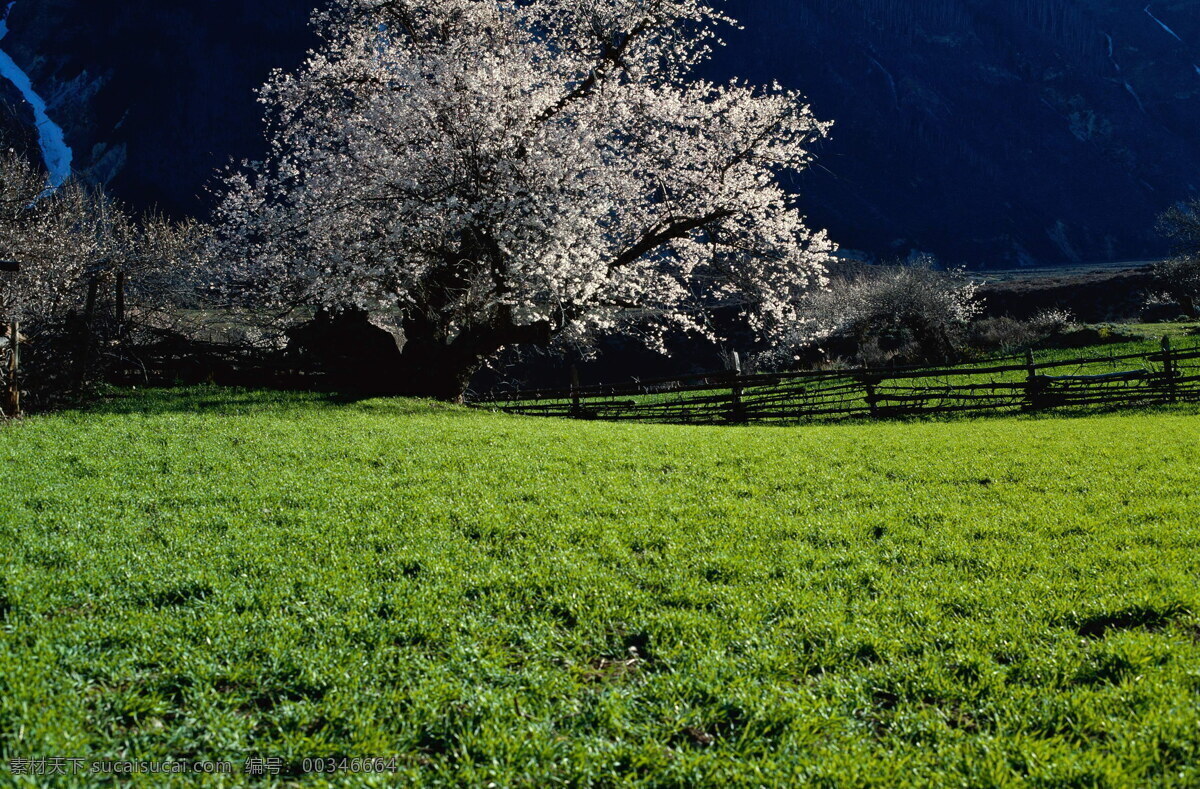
1010 384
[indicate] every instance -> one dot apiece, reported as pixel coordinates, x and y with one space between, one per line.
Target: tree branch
652 240
609 56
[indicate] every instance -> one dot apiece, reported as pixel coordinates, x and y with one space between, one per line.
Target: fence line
1013 384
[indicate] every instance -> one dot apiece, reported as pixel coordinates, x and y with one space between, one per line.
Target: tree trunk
435 370
358 356
431 367
1188 303
934 342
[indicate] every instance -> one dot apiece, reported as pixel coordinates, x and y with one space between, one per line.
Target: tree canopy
497 173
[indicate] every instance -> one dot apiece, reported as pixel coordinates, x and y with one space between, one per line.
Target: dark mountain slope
985 131
989 131
155 96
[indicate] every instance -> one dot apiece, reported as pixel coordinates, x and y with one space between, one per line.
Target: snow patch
51 139
1163 25
1136 97
1112 59
891 81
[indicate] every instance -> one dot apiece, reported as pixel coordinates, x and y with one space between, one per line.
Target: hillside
991 132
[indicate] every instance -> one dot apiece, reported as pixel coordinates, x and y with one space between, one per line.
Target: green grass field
211 574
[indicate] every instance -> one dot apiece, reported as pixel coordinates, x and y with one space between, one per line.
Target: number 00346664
334 765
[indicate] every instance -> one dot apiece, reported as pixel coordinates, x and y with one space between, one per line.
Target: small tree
1181 224
500 173
37 230
68 240
1179 276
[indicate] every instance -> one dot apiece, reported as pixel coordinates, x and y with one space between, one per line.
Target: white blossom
502 172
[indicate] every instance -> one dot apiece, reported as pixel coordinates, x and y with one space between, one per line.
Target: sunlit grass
211 574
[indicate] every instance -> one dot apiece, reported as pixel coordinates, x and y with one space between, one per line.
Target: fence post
737 413
869 384
1169 370
576 408
12 400
1032 385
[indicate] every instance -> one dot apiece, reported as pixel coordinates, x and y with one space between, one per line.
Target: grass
208 574
1156 331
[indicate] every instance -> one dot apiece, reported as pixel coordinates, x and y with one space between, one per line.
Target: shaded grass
217 574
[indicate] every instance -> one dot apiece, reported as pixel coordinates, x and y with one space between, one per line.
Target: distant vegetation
92 277
1179 276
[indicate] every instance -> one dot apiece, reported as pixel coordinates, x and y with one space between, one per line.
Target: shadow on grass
1046 415
228 401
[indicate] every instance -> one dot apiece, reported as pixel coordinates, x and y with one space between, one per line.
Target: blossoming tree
502 172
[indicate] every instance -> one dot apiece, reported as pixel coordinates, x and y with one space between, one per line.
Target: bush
1048 323
1179 280
1092 335
1003 334
1009 334
888 314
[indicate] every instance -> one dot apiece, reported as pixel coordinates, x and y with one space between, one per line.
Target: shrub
1003 334
1179 280
1049 322
1179 276
901 313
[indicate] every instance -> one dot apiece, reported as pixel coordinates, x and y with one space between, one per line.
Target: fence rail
1008 384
